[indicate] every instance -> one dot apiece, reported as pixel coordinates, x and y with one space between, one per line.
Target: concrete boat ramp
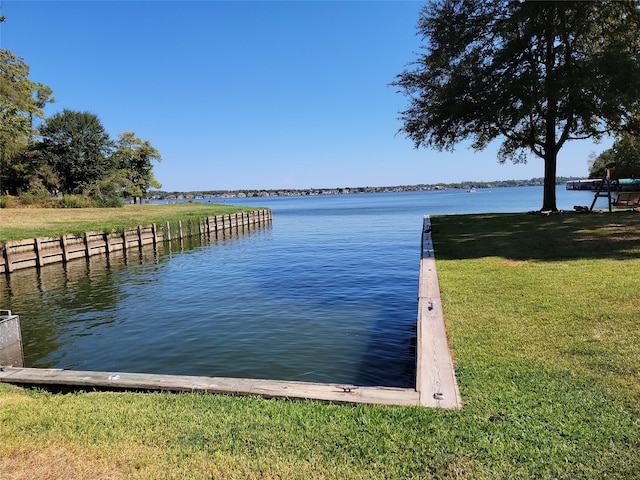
436 384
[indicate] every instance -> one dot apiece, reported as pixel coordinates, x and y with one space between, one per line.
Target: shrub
9 201
111 202
75 201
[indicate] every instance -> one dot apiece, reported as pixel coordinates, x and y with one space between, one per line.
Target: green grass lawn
543 315
22 223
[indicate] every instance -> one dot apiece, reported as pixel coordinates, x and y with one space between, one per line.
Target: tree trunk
549 194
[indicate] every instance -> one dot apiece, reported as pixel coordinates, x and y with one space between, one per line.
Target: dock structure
435 386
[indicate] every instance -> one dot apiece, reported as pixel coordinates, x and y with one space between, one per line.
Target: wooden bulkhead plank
222 385
435 375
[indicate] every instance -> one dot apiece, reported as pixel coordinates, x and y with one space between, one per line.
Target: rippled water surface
325 293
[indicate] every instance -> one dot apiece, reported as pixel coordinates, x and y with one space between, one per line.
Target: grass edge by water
24 223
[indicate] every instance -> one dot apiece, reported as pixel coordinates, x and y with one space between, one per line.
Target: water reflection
61 303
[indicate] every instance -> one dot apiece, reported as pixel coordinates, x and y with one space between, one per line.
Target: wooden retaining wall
326 392
435 377
37 252
436 384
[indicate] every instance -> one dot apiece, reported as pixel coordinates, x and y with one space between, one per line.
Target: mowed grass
543 315
22 223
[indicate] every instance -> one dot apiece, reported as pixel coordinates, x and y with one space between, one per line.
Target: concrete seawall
37 252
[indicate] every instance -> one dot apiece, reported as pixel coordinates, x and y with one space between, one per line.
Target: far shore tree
132 159
532 74
78 149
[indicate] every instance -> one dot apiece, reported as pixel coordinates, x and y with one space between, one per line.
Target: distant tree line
163 195
67 159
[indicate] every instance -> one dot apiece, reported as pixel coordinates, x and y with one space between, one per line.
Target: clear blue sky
259 95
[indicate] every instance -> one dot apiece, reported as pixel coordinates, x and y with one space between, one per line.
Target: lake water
326 293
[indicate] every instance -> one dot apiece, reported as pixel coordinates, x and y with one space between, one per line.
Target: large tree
21 103
132 158
78 149
534 74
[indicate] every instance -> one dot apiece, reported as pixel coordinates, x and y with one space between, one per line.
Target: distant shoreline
290 192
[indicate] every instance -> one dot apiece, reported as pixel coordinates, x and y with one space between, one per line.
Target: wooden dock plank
435 375
236 386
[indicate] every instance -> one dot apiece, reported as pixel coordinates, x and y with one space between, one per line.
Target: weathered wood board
234 386
435 375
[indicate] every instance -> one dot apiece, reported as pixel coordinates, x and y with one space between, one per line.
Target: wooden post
107 246
63 245
168 231
124 241
7 257
140 236
87 250
180 234
37 251
154 232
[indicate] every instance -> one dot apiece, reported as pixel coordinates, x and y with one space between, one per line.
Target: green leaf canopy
533 74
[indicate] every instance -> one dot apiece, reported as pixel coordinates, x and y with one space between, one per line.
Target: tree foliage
533 74
21 103
77 147
73 153
132 159
623 155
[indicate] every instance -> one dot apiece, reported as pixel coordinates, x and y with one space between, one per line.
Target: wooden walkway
435 377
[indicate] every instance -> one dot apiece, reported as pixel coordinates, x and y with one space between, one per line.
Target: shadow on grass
523 236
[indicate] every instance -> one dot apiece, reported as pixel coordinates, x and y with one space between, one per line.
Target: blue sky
258 95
